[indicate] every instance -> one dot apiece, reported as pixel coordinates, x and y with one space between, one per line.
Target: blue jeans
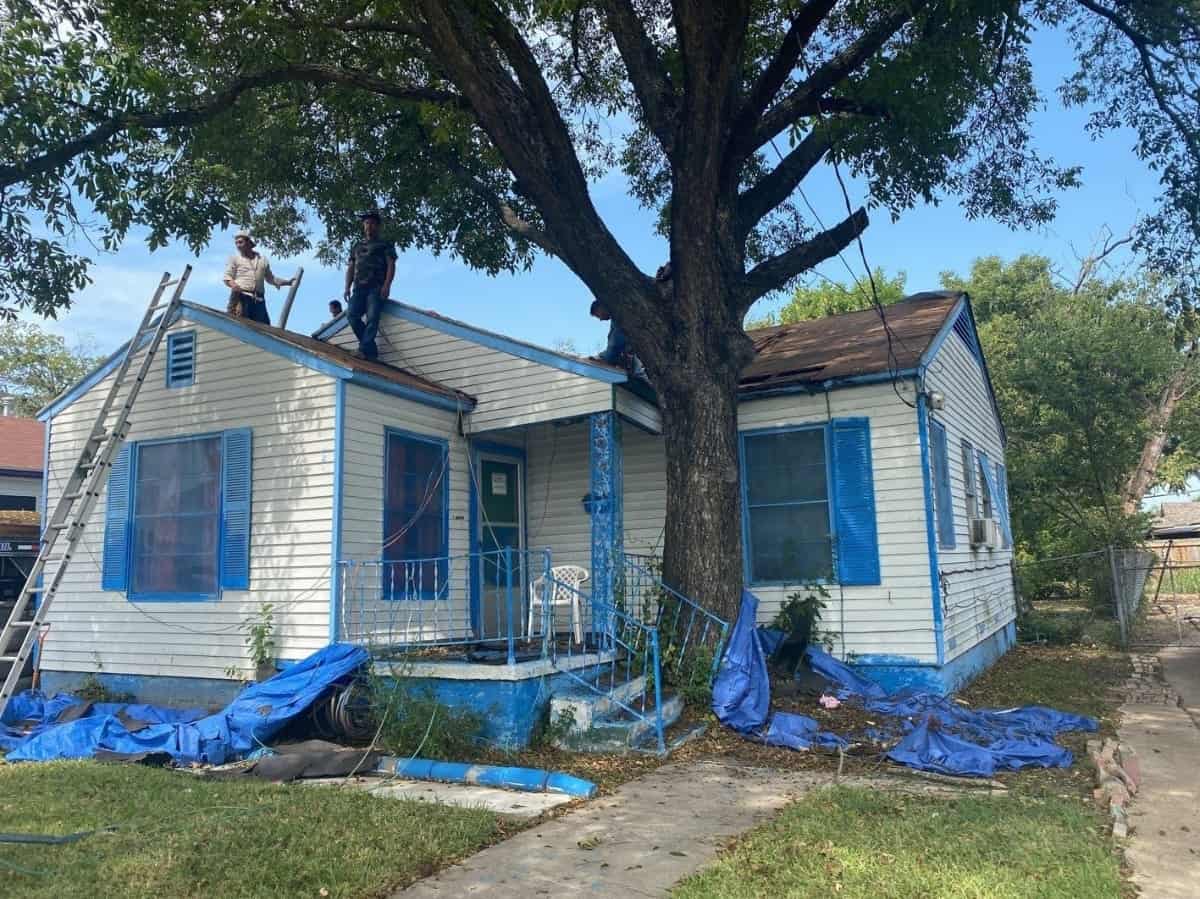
365 301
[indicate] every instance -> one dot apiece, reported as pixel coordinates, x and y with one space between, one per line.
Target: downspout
927 491
528 780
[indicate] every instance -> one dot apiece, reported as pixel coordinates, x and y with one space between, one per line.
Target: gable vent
181 359
962 327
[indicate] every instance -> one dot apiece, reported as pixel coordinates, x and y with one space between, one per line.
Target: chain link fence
1090 597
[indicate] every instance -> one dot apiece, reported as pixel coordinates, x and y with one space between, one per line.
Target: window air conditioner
984 532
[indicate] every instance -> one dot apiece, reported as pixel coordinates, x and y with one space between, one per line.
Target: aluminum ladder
83 488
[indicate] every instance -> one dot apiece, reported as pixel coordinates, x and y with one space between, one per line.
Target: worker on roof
616 351
246 273
368 281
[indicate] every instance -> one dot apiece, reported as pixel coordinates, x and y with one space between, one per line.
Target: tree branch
809 98
211 106
650 80
804 25
1141 43
773 273
778 184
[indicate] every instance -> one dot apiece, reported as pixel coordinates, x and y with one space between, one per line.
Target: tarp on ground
934 732
188 737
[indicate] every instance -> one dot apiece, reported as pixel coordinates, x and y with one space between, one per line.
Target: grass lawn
854 843
180 836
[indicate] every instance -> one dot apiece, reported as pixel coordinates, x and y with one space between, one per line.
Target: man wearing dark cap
368 281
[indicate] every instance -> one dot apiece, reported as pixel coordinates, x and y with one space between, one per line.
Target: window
968 476
787 506
985 477
415 525
176 518
181 359
943 504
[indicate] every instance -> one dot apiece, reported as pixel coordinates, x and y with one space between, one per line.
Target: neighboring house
21 448
412 501
1175 532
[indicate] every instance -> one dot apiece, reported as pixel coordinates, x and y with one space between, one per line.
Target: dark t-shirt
370 261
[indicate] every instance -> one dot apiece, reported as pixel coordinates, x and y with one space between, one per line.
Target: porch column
607 503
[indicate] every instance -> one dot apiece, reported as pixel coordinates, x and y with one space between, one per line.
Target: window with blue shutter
988 485
855 530
181 359
942 499
236 478
177 524
1002 502
114 573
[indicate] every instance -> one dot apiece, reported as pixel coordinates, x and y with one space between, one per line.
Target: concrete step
618 731
583 706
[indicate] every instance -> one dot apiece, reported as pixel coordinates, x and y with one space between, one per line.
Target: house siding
557 480
367 417
509 391
290 411
978 597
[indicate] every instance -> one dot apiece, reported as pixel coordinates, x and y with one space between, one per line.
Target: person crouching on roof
245 274
368 281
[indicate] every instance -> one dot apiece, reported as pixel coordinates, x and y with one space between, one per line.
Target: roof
340 356
1180 518
580 365
21 444
317 354
850 345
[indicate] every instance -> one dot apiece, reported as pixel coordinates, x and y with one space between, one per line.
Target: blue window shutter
236 475
114 574
1002 501
943 503
854 502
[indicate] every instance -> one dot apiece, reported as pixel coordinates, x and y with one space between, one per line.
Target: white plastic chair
568 580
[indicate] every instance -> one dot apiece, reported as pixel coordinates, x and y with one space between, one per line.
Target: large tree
477 124
36 366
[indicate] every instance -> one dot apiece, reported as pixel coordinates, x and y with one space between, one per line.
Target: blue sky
548 303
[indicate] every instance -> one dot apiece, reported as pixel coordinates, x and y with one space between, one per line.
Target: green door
500 512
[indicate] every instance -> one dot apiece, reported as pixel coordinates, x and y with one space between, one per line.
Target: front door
501 515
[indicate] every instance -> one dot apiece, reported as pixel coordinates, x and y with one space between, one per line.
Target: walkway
1164 846
638 842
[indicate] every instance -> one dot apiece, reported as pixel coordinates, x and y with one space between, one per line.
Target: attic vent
962 327
181 359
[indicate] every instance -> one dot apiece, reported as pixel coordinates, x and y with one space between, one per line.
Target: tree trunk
702 551
1146 473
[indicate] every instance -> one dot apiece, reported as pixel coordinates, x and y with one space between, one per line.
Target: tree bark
1146 473
702 550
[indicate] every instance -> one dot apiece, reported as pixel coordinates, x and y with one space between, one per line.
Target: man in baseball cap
246 273
368 282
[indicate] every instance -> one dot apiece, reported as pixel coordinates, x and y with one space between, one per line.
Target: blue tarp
935 733
255 716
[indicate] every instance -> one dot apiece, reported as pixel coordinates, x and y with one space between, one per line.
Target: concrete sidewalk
638 842
1164 846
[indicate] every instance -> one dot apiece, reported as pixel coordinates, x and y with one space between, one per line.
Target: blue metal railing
622 659
691 637
395 606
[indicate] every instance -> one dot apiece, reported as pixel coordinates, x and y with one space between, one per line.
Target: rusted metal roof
845 346
21 444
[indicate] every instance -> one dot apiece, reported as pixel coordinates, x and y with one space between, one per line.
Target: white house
415 500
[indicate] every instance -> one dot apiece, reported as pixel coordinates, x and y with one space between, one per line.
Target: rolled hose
529 780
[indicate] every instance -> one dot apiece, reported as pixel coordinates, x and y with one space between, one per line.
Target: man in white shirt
245 274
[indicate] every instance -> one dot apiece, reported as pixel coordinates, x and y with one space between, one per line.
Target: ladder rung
20 624
9 659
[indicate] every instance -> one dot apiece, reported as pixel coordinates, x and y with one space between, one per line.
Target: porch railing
625 660
691 638
394 607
